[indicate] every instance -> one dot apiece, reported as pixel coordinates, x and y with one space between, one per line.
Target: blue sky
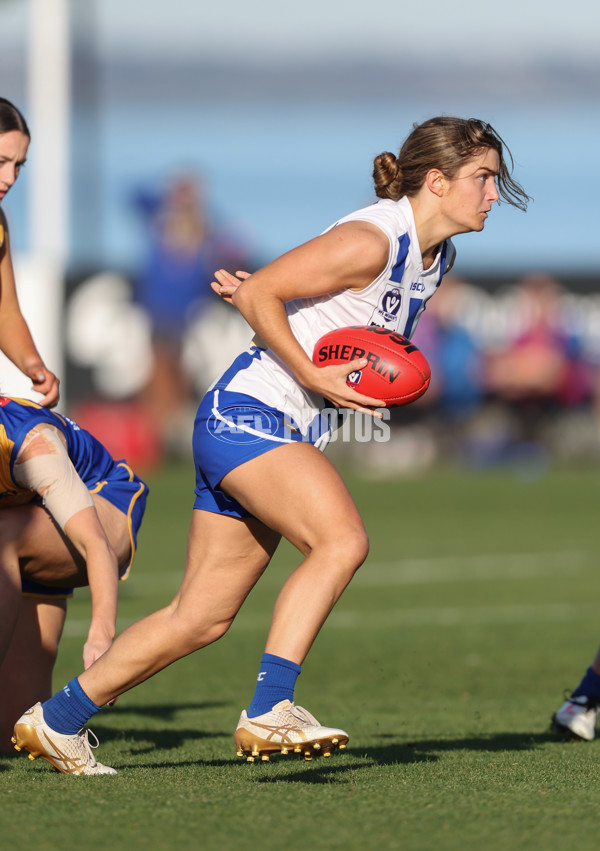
478 31
538 125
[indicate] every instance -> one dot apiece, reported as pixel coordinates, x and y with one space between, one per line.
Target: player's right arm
15 337
43 465
349 256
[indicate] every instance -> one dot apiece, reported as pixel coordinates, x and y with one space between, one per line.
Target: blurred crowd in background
515 370
515 377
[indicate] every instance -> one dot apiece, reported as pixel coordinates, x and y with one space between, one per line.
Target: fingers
50 400
226 284
368 401
226 279
48 384
365 404
218 288
332 383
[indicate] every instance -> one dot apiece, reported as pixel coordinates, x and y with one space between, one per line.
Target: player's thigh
45 553
225 558
297 491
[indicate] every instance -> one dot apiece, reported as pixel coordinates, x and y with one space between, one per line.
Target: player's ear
436 182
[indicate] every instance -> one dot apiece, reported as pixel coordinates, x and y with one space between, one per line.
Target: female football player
258 432
69 516
15 338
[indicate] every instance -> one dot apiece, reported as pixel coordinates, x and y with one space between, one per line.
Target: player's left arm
15 337
43 465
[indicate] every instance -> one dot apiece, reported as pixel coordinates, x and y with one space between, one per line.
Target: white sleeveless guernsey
394 300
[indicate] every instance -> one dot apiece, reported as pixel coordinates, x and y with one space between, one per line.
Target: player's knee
217 630
359 547
350 549
193 635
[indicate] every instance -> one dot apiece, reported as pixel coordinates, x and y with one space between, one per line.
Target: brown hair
445 143
11 119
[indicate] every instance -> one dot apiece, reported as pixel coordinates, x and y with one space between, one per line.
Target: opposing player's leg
27 538
46 555
578 716
26 672
10 593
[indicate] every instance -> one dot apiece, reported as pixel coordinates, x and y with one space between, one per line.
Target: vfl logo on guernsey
390 304
386 314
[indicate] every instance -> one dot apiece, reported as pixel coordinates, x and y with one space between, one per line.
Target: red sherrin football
397 371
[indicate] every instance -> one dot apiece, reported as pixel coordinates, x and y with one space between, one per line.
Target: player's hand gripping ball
397 371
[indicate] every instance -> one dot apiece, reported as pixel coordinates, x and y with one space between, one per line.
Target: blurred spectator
455 357
456 392
173 286
513 376
541 369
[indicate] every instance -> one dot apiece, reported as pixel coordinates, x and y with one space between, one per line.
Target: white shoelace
304 715
84 735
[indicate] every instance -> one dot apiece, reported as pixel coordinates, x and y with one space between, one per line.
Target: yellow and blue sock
69 709
275 682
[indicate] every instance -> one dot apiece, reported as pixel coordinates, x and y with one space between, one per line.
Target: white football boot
578 717
286 728
68 754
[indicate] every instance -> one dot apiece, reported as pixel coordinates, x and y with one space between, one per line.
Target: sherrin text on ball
396 371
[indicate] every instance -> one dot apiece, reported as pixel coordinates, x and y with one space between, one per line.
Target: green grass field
444 660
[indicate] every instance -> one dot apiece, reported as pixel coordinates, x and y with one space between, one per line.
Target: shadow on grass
163 711
149 738
145 740
317 774
324 771
427 750
431 749
295 769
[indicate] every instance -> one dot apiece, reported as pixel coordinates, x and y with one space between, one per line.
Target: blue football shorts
230 429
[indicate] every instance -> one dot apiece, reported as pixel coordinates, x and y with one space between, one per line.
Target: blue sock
275 682
589 686
69 709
